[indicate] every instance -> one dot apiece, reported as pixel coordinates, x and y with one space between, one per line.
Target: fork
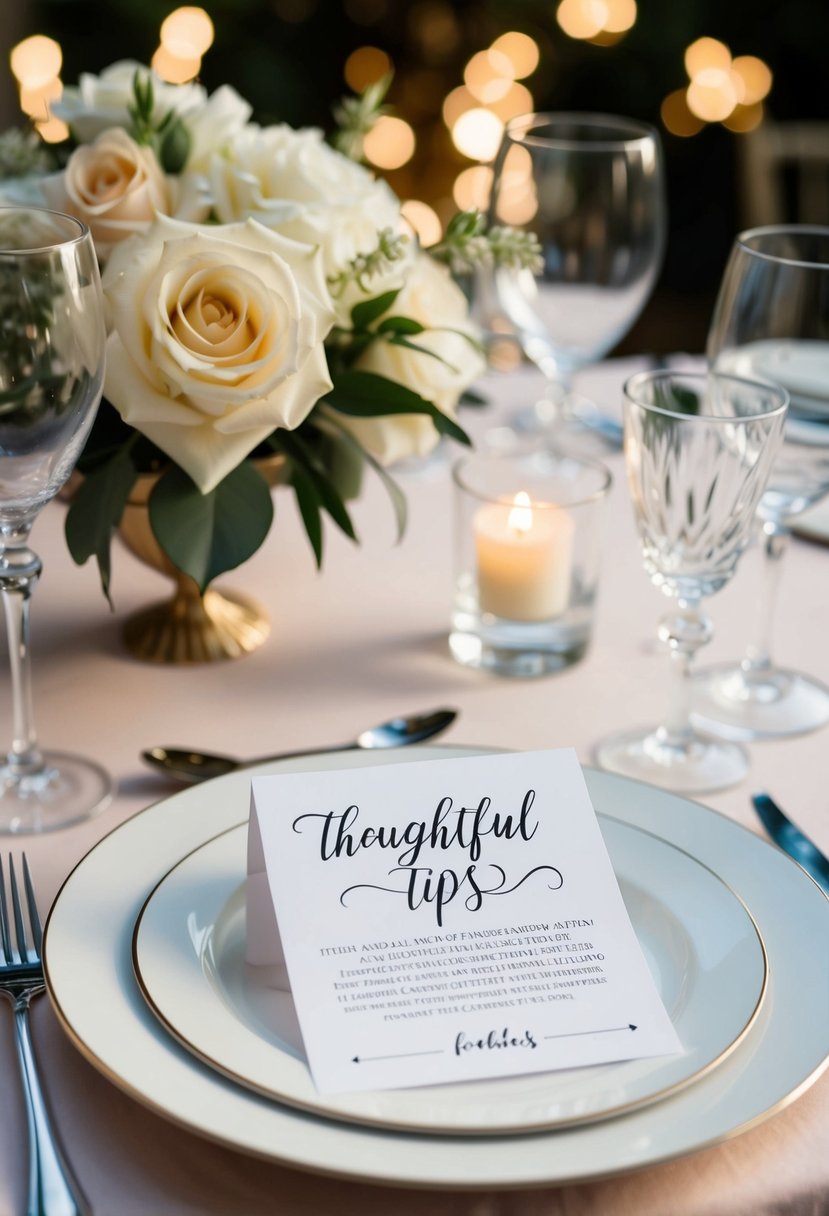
52 1189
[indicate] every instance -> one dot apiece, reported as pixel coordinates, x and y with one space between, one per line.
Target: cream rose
432 298
114 186
217 339
291 181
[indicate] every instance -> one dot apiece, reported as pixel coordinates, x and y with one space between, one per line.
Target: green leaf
398 498
400 325
174 147
473 399
96 511
206 534
367 311
308 501
367 395
327 493
399 340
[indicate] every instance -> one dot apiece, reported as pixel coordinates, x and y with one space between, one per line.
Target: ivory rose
432 298
113 185
291 181
100 102
217 339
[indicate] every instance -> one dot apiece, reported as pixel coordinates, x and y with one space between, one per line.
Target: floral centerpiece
263 297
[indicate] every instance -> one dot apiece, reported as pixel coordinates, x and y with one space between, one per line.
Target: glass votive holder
527 542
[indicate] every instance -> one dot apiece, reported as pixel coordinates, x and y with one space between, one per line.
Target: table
360 642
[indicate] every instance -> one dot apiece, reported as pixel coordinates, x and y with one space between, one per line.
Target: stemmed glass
771 320
698 451
591 188
52 338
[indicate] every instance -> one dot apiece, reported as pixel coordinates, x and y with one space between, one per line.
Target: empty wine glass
771 320
52 338
698 451
591 188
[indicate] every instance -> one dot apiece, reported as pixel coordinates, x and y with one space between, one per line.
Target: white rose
215 125
291 181
432 298
113 185
99 102
217 339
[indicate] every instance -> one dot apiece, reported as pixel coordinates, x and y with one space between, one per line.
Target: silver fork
52 1189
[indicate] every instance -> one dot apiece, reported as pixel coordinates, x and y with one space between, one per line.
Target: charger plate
701 944
88 947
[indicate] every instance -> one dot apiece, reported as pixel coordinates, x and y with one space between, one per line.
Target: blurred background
737 90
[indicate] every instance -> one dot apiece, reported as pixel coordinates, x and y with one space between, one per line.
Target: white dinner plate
88 955
701 944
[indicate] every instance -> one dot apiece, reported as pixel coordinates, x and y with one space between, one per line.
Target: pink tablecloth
362 641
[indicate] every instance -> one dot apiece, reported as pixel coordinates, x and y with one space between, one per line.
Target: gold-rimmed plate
88 954
701 944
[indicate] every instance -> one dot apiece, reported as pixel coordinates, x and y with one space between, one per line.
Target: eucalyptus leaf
308 501
96 511
398 498
206 534
366 311
400 325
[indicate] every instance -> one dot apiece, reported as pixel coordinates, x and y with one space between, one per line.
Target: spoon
179 764
791 840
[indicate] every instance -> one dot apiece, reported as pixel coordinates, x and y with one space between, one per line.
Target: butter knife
791 840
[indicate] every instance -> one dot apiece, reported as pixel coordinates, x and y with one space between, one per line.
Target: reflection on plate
701 945
814 523
88 953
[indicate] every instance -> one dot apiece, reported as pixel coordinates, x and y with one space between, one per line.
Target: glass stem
19 571
775 539
683 631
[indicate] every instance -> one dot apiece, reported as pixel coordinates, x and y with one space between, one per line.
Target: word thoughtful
450 827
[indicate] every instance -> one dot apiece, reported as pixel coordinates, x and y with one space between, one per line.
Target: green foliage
96 511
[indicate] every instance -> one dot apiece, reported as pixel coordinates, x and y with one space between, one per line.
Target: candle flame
521 516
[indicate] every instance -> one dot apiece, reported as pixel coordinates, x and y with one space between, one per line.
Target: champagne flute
591 188
771 320
698 451
52 339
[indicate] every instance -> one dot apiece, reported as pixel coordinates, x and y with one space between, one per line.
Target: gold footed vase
189 627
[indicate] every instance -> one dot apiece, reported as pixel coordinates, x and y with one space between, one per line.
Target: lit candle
524 557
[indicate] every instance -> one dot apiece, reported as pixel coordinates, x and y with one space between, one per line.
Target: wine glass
591 188
771 320
52 338
698 451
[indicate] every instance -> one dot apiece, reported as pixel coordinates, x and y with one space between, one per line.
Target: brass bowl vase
190 627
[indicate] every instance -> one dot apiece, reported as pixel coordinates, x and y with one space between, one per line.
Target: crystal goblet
52 340
698 451
771 320
591 188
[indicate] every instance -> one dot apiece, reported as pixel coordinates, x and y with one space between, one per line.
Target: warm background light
519 100
477 134
423 221
521 50
676 116
53 131
604 22
456 103
36 61
745 118
488 75
756 78
390 143
172 69
711 95
365 66
706 53
472 187
35 102
187 33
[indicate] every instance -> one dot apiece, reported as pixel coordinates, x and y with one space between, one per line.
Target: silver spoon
179 764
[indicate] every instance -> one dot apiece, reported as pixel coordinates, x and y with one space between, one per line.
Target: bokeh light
488 75
35 102
745 118
521 50
676 116
53 131
172 69
712 95
756 77
36 61
423 221
390 143
706 53
187 33
477 134
472 188
582 18
519 100
456 103
365 66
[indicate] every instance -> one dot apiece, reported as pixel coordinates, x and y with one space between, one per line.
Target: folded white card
447 920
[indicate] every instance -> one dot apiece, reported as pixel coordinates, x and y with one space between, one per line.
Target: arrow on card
576 1033
402 1055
